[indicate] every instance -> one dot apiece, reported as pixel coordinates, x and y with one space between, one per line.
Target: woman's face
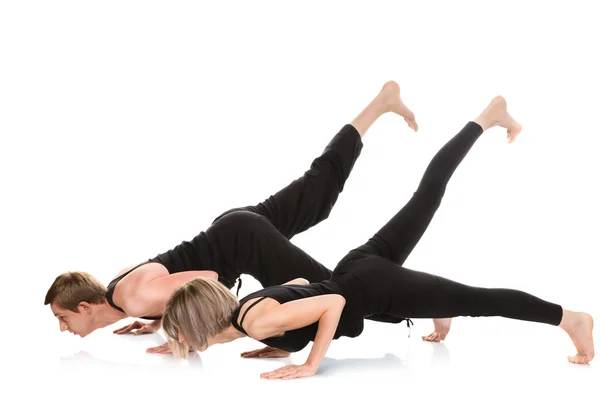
181 340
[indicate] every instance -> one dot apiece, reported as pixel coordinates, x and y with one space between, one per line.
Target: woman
368 281
253 240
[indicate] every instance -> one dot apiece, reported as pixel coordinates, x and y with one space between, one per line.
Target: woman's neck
229 334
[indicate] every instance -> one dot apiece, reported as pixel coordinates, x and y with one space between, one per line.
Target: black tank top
350 324
111 290
228 247
199 253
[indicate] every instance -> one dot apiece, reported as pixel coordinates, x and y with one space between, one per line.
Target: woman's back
350 324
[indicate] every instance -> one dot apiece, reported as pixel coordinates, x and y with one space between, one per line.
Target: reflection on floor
485 358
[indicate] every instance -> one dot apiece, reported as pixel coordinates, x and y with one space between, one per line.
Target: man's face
78 323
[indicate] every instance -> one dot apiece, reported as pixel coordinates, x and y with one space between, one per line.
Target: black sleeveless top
111 290
202 252
237 242
350 324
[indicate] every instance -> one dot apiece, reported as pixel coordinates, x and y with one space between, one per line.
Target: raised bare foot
579 326
496 114
441 327
390 99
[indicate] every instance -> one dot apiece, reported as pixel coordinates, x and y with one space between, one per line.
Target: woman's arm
268 351
328 324
324 309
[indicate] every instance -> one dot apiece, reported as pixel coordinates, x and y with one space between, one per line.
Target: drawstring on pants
237 294
408 324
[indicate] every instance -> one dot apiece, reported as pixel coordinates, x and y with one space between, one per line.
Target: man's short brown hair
71 288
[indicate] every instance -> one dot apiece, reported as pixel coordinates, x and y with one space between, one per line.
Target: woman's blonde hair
200 308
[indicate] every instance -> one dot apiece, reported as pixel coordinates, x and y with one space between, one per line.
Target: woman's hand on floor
291 372
163 349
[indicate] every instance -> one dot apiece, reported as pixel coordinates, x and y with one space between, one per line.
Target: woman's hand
291 372
163 349
324 309
267 352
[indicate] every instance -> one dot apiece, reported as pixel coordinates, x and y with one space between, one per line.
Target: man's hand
140 328
267 352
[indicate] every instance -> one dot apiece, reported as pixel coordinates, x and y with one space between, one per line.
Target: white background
127 126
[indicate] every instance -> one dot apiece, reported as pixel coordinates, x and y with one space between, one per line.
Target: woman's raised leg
397 238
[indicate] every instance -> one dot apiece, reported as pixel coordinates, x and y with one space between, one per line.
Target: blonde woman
368 281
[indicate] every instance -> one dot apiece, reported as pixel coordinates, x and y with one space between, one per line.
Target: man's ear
84 307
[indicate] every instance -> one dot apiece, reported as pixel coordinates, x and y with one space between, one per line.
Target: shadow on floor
390 362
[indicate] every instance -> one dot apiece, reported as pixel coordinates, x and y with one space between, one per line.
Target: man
252 240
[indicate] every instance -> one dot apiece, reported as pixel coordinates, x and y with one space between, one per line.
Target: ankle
568 319
485 122
381 105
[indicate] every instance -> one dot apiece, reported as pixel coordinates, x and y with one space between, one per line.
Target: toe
578 359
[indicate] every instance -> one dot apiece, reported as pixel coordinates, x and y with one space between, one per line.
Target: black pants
308 200
386 288
255 239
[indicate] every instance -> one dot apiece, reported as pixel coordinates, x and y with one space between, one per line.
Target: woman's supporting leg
423 295
415 294
309 199
382 288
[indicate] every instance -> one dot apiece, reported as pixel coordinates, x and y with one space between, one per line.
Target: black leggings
396 291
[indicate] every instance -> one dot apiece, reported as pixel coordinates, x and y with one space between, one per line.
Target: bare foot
579 326
390 98
441 327
496 114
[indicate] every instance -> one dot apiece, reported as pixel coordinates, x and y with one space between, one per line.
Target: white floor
482 358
